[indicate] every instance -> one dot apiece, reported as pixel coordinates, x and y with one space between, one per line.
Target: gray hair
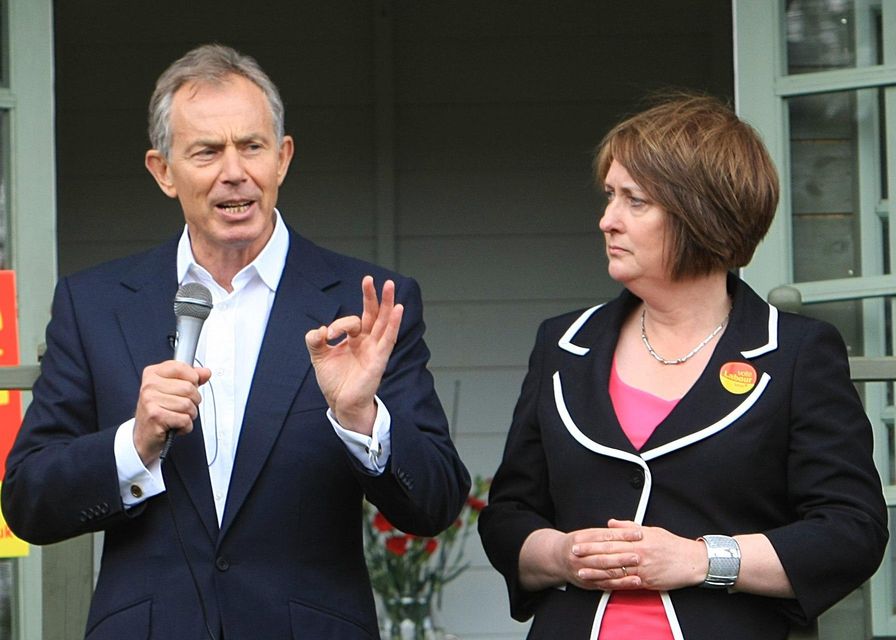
209 63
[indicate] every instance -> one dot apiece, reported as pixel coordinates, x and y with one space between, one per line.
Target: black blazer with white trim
785 450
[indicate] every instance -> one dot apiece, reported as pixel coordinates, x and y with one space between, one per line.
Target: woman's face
635 230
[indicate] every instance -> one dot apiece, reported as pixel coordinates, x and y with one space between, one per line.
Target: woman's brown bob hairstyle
708 169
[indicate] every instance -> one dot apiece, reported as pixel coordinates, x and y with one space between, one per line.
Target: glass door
818 79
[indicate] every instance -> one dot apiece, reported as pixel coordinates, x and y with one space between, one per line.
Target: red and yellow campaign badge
738 377
10 401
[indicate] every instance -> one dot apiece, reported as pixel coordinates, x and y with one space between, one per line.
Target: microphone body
192 304
187 338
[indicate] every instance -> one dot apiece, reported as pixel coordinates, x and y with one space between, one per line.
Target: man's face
225 167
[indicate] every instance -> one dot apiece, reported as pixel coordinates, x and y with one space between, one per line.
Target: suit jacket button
222 564
637 480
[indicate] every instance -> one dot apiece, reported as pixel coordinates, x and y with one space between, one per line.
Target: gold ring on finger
624 572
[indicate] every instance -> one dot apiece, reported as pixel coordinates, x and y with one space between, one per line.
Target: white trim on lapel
671 616
772 343
565 341
599 614
714 428
600 449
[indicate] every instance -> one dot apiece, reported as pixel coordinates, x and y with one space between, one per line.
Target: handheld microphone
192 304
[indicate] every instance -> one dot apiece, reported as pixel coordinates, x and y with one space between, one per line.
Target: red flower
476 504
397 545
381 524
431 545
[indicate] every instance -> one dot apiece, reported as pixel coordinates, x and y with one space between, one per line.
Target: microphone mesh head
193 300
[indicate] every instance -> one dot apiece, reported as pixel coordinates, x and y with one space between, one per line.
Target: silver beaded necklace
684 358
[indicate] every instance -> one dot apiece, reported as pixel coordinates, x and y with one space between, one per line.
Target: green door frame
762 89
29 101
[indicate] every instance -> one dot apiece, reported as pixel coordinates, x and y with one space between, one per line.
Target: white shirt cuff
136 483
371 451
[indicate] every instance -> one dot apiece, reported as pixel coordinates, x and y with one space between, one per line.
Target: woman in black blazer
684 461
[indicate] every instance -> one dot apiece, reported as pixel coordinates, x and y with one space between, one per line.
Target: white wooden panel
488 334
476 606
323 204
494 136
296 66
362 248
116 210
130 207
479 401
545 201
74 256
482 453
474 19
76 139
532 70
499 106
504 268
176 23
334 139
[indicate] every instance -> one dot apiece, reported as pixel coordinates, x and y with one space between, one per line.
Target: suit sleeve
519 501
425 483
61 478
841 533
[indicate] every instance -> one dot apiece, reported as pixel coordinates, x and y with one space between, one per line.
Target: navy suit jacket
786 453
287 560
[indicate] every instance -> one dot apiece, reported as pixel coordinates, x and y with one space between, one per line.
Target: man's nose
232 168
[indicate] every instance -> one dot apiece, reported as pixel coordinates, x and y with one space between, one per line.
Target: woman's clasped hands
625 555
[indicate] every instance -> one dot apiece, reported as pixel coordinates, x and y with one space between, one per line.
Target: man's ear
158 166
284 156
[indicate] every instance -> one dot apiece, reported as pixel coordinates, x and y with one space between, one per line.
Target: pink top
636 614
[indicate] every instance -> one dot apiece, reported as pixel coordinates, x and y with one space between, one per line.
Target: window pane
822 35
831 135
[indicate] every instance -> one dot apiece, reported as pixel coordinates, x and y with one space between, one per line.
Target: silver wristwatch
724 561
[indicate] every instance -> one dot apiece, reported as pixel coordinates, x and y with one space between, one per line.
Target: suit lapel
585 377
710 402
146 317
147 320
283 364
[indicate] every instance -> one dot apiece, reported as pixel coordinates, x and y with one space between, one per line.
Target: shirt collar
268 264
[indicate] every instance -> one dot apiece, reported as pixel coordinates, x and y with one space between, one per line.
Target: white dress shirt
229 345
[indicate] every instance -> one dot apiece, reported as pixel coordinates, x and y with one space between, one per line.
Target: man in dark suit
250 527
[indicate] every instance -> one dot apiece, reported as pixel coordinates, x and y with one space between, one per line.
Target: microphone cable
177 533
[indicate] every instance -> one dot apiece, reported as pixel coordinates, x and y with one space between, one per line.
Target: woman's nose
609 221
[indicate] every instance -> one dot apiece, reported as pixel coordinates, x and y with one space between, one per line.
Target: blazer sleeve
61 478
519 500
425 484
839 537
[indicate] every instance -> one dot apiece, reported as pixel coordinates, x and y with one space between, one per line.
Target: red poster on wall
10 401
